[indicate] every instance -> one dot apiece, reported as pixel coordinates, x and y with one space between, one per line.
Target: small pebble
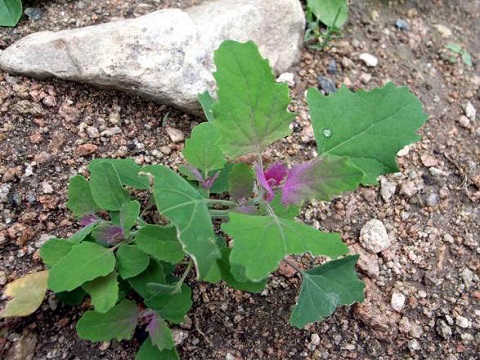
112 131
443 329
86 149
413 345
315 339
47 188
470 111
3 278
92 132
401 24
34 13
327 85
387 188
374 237
464 122
467 277
365 78
332 67
175 135
397 301
462 322
408 188
444 31
369 60
288 78
432 199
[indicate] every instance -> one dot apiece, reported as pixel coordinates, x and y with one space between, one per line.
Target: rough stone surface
374 237
166 56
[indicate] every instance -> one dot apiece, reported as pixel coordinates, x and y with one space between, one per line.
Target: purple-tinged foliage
108 234
88 219
206 183
271 178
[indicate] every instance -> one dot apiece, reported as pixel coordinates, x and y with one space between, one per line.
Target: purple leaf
320 179
88 219
108 234
206 183
247 209
271 178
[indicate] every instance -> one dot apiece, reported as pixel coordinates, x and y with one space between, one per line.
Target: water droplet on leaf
327 133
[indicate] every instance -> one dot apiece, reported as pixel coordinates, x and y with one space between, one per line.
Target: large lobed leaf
80 199
251 111
368 127
27 294
106 187
325 288
103 292
261 242
178 201
10 12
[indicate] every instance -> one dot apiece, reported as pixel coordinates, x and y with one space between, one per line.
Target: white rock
443 30
175 135
369 60
398 301
92 132
374 237
288 78
462 322
470 111
387 188
47 188
166 56
315 339
404 151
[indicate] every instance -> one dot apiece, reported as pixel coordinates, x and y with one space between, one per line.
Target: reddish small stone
36 138
20 233
86 149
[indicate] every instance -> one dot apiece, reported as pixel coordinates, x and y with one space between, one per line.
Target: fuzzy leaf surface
202 150
251 111
117 323
127 170
326 287
10 12
346 124
106 188
172 307
27 294
177 200
103 291
261 242
148 351
160 242
240 181
54 250
160 334
131 261
320 179
80 199
85 262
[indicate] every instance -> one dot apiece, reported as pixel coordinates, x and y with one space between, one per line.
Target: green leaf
131 261
86 261
27 293
346 124
154 273
54 250
10 12
466 58
207 101
261 242
106 188
221 184
325 288
148 351
74 297
230 279
160 334
454 47
129 214
172 307
202 150
80 199
117 323
103 292
81 234
128 172
326 11
240 181
320 179
284 211
177 200
160 242
251 112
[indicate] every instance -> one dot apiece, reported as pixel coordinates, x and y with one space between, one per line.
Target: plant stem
184 276
292 265
227 203
219 214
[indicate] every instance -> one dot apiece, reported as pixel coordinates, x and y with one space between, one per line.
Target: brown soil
433 216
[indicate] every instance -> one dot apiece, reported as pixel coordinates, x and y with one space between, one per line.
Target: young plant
332 14
133 256
455 50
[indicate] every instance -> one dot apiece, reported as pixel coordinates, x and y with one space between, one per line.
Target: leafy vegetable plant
10 12
133 255
455 50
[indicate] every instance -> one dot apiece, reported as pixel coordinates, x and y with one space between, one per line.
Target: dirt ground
50 130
